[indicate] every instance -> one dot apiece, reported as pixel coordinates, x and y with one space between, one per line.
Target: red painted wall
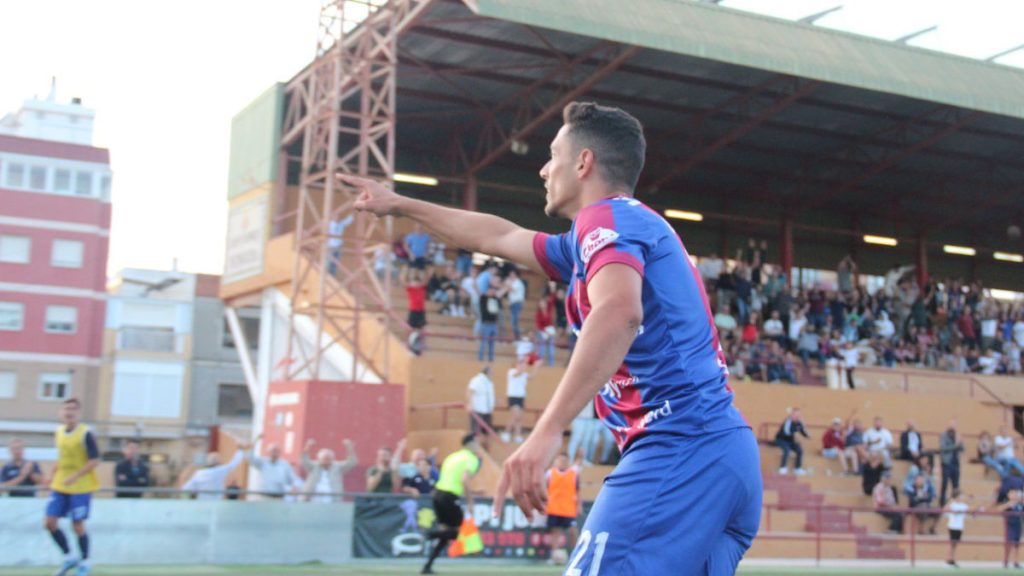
86 341
58 207
371 415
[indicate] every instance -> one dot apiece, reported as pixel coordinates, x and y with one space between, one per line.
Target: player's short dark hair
73 400
614 136
468 439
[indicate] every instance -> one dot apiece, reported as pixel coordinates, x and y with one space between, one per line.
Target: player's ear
585 163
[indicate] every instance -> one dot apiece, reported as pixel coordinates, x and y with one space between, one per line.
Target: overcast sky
166 78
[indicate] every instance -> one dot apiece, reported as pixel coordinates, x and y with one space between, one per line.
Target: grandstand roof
748 117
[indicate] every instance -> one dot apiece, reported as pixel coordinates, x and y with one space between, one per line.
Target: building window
54 385
15 249
105 187
62 181
37 178
233 401
83 183
67 254
61 319
250 327
16 175
12 316
8 384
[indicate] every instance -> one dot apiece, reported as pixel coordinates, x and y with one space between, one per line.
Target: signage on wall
247 238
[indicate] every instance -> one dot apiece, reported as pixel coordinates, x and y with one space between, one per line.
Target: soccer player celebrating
74 480
685 498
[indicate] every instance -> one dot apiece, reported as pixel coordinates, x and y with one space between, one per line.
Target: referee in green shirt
453 483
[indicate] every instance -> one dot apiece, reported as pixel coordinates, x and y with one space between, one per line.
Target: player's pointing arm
470 230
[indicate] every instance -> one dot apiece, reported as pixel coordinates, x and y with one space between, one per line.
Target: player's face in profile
559 176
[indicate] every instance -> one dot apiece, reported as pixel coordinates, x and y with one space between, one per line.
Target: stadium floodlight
684 215
811 19
912 35
415 179
880 240
961 250
1008 257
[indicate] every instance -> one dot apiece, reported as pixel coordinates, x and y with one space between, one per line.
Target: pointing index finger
499 495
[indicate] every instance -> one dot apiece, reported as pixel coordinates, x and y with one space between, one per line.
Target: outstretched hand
523 473
374 197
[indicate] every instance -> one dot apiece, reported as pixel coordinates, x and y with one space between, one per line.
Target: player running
452 484
685 498
71 487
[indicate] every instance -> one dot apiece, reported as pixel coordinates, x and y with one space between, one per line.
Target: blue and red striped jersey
674 378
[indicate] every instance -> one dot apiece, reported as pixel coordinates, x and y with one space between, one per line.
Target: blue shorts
685 506
74 505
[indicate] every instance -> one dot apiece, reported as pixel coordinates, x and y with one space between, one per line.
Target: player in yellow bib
72 483
451 486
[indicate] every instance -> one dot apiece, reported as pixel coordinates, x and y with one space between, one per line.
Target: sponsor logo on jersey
597 239
615 386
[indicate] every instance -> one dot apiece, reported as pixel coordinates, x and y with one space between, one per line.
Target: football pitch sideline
460 569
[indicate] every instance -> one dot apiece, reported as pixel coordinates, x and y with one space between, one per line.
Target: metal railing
908 540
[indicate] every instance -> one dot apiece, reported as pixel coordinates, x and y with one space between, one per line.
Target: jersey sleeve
554 254
90 446
613 232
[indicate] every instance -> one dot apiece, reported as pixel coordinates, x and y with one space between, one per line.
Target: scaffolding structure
342 109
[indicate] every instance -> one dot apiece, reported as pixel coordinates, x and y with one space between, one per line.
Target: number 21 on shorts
581 547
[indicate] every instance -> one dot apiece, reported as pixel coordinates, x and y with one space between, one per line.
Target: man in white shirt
884 327
518 378
989 362
796 324
774 330
725 322
710 268
851 357
516 296
480 402
209 481
1005 452
524 347
277 477
879 441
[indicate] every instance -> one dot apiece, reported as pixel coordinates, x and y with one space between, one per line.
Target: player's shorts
417 319
560 521
418 264
955 535
74 505
675 505
448 508
516 401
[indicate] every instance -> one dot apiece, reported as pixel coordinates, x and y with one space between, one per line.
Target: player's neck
596 194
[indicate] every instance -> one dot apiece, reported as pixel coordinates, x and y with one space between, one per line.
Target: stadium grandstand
853 207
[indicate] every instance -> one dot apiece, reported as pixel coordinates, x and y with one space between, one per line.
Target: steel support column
342 108
786 255
922 260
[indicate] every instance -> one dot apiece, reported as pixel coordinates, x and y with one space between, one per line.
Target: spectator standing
417 244
710 269
845 272
208 482
518 378
325 477
851 357
950 446
19 471
416 294
1006 451
911 447
480 401
797 322
885 499
490 307
956 513
544 321
382 477
879 441
785 439
131 472
833 443
335 230
277 477
1013 508
516 290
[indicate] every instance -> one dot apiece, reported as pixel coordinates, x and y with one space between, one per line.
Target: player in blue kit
685 498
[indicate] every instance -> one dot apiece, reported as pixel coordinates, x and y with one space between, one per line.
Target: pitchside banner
396 527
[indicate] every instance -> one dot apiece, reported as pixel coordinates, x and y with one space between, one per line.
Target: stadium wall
187 532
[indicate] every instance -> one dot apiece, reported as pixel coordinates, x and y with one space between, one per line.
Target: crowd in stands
932 483
770 333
